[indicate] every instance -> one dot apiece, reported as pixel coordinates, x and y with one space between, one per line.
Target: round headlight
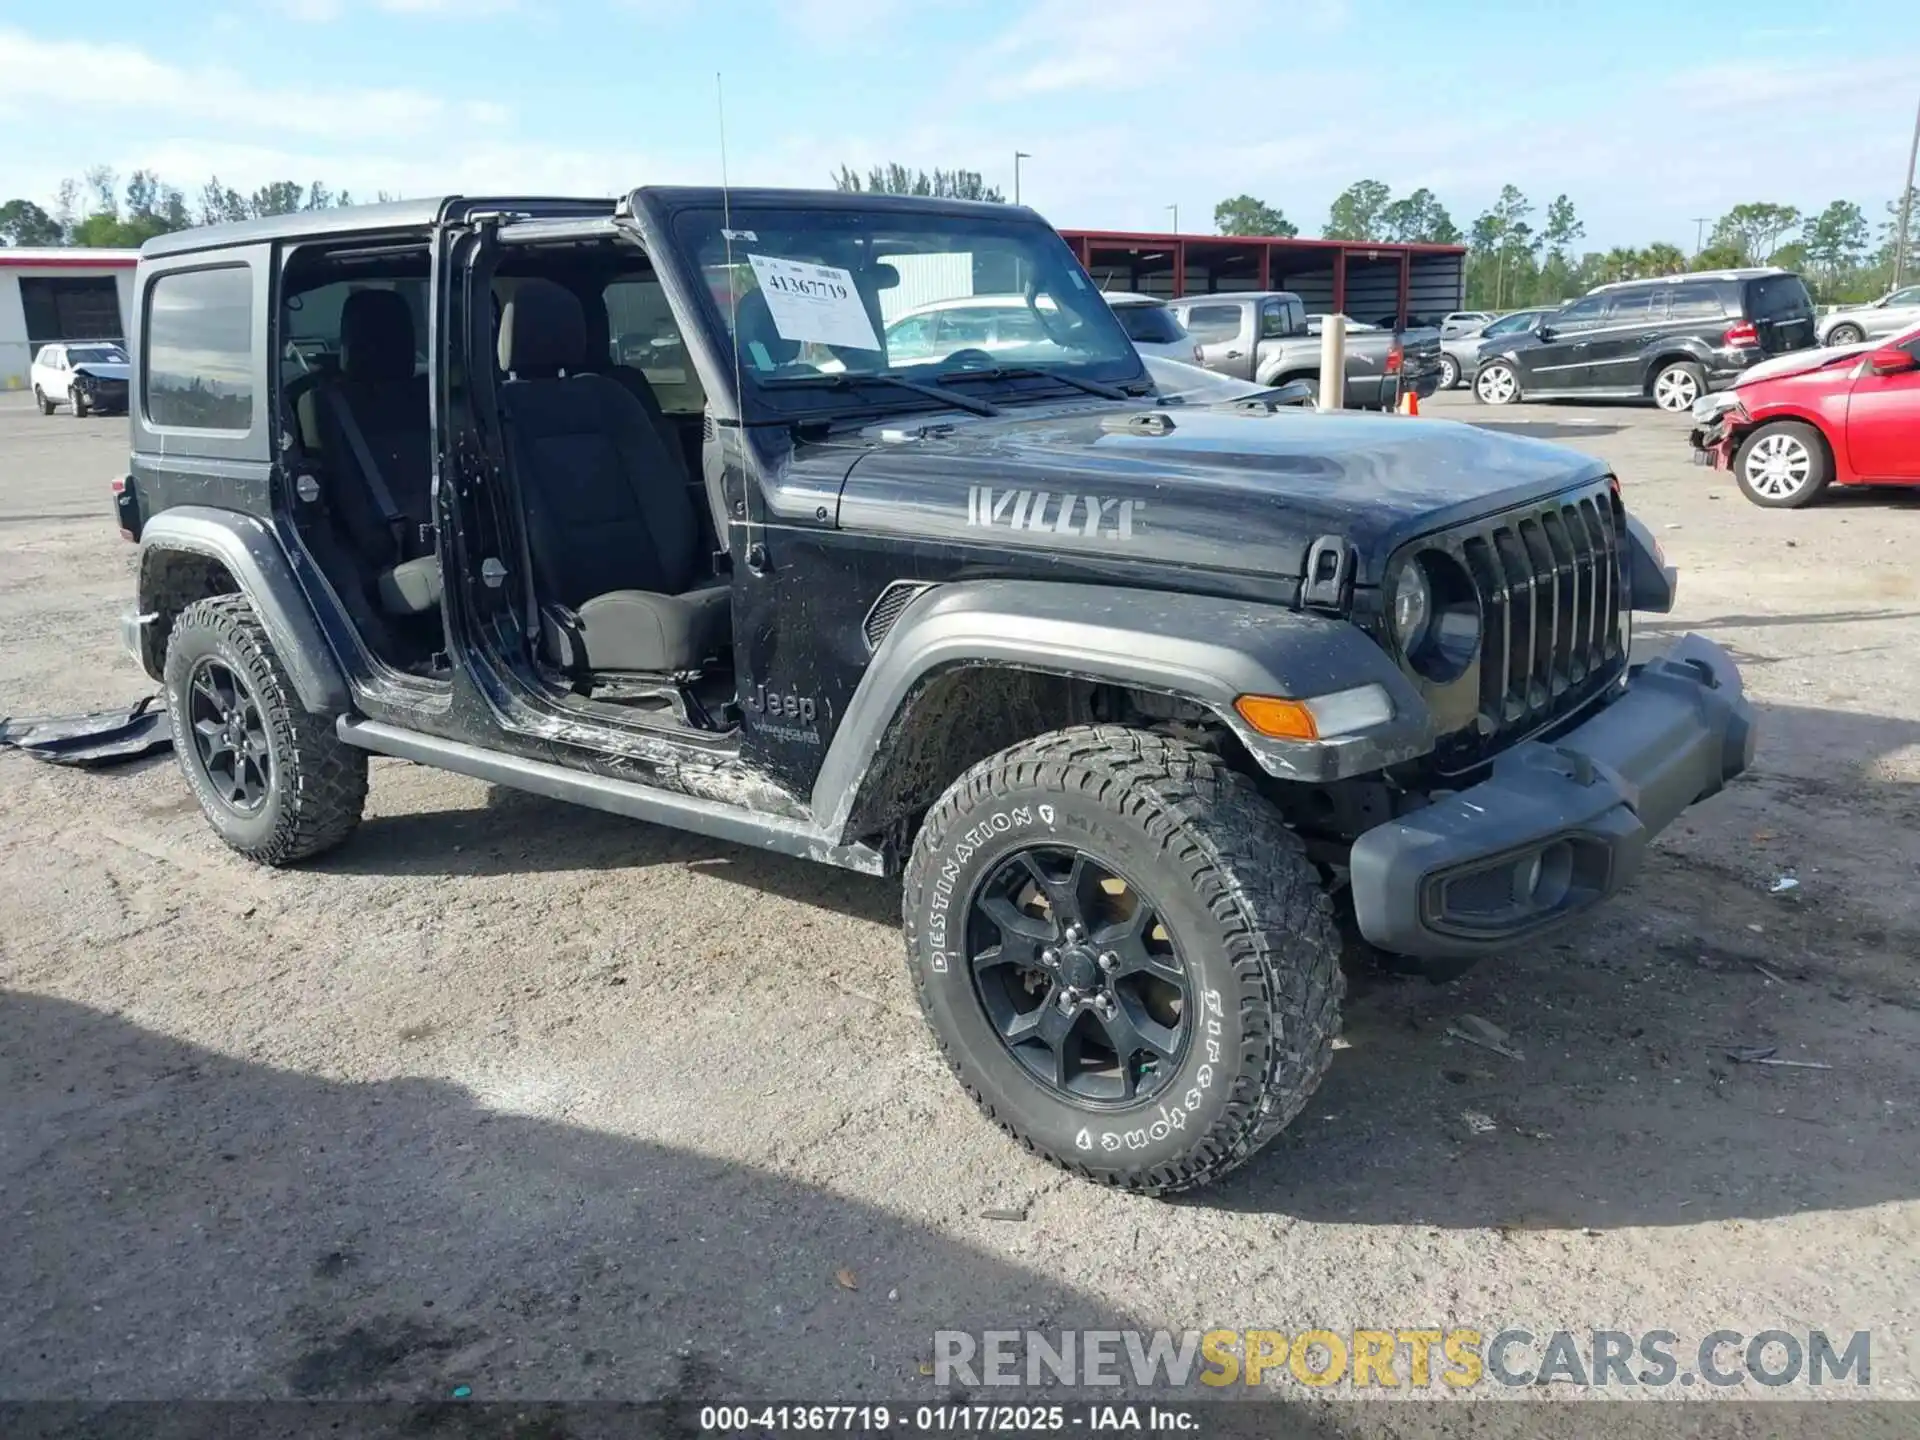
1436 616
1412 608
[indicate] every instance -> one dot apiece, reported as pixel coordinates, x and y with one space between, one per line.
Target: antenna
726 233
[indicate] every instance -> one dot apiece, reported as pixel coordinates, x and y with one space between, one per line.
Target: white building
51 296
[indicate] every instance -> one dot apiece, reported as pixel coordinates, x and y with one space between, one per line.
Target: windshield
96 355
816 299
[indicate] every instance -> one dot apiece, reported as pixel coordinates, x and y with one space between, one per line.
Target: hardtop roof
422 213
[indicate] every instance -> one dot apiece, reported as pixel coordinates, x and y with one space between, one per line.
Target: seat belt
363 457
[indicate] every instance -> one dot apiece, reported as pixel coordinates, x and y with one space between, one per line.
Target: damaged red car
1793 426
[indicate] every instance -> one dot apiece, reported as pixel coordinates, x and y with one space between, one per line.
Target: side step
601 792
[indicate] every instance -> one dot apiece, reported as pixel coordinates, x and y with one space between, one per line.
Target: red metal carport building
1364 280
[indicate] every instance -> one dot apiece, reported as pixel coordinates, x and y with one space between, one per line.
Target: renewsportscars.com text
1401 1358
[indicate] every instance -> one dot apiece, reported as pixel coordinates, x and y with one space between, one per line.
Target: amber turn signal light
1277 718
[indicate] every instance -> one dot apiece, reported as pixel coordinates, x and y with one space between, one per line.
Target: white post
1333 363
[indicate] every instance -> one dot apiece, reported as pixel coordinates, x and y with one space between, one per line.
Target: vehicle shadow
185 1224
1626 1109
516 833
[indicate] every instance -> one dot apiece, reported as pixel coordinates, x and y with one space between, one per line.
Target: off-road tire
318 787
40 399
1253 925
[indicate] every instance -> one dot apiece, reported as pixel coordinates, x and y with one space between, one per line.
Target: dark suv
1670 340
1143 700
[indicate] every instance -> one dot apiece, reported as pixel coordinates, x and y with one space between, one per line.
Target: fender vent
706 428
895 598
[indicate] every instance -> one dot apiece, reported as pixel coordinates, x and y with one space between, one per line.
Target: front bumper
1559 825
1715 440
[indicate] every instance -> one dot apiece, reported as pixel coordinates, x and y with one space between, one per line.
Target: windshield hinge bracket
1329 579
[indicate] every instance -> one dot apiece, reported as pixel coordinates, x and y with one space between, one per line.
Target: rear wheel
1677 385
40 399
1783 466
1449 372
1845 335
274 781
1124 954
1496 384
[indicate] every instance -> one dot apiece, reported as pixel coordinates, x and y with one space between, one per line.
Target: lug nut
1109 962
1049 957
1075 934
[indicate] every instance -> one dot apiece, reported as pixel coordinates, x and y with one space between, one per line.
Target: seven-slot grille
1549 579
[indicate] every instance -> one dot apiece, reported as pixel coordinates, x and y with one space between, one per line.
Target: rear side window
199 349
1697 302
1208 323
1778 297
1149 324
644 335
1633 307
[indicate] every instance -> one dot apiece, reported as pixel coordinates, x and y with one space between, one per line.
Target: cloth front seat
609 521
376 433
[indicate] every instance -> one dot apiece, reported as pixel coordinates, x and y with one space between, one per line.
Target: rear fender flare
1203 649
250 552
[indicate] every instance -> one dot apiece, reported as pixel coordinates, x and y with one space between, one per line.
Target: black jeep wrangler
742 512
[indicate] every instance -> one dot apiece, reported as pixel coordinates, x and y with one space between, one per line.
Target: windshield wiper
1032 372
848 379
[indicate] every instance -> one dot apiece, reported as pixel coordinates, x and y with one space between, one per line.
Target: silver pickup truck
1264 336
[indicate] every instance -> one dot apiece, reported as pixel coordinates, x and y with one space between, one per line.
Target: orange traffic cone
1409 402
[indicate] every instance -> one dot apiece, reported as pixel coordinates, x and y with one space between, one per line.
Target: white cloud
154 94
1059 46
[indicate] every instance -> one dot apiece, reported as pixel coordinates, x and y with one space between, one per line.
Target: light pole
1174 210
1018 156
1700 232
1906 204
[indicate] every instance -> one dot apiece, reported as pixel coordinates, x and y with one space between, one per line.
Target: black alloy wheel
230 744
1079 976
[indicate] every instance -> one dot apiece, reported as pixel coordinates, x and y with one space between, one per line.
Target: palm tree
1660 258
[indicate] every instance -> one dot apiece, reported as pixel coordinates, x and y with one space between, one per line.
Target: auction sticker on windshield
814 304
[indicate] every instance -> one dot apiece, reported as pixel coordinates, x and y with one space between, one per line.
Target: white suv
89 375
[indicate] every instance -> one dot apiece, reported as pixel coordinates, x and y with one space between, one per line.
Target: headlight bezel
1445 643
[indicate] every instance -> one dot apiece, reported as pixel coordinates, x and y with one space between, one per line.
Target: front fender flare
251 553
1205 649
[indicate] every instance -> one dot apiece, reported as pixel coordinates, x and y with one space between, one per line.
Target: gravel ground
549 1104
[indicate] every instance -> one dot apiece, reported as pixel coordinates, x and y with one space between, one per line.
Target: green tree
282 197
1503 263
897 179
1661 258
1358 212
1720 255
1836 244
1755 229
24 223
1563 226
1890 238
1244 215
1419 218
220 203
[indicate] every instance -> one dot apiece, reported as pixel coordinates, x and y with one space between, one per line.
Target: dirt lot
545 1103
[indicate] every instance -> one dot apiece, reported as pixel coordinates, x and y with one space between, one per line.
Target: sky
1647 114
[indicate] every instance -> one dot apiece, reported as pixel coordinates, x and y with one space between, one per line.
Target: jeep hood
1221 489
102 370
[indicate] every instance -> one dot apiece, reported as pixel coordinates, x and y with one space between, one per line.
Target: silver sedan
1888 315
